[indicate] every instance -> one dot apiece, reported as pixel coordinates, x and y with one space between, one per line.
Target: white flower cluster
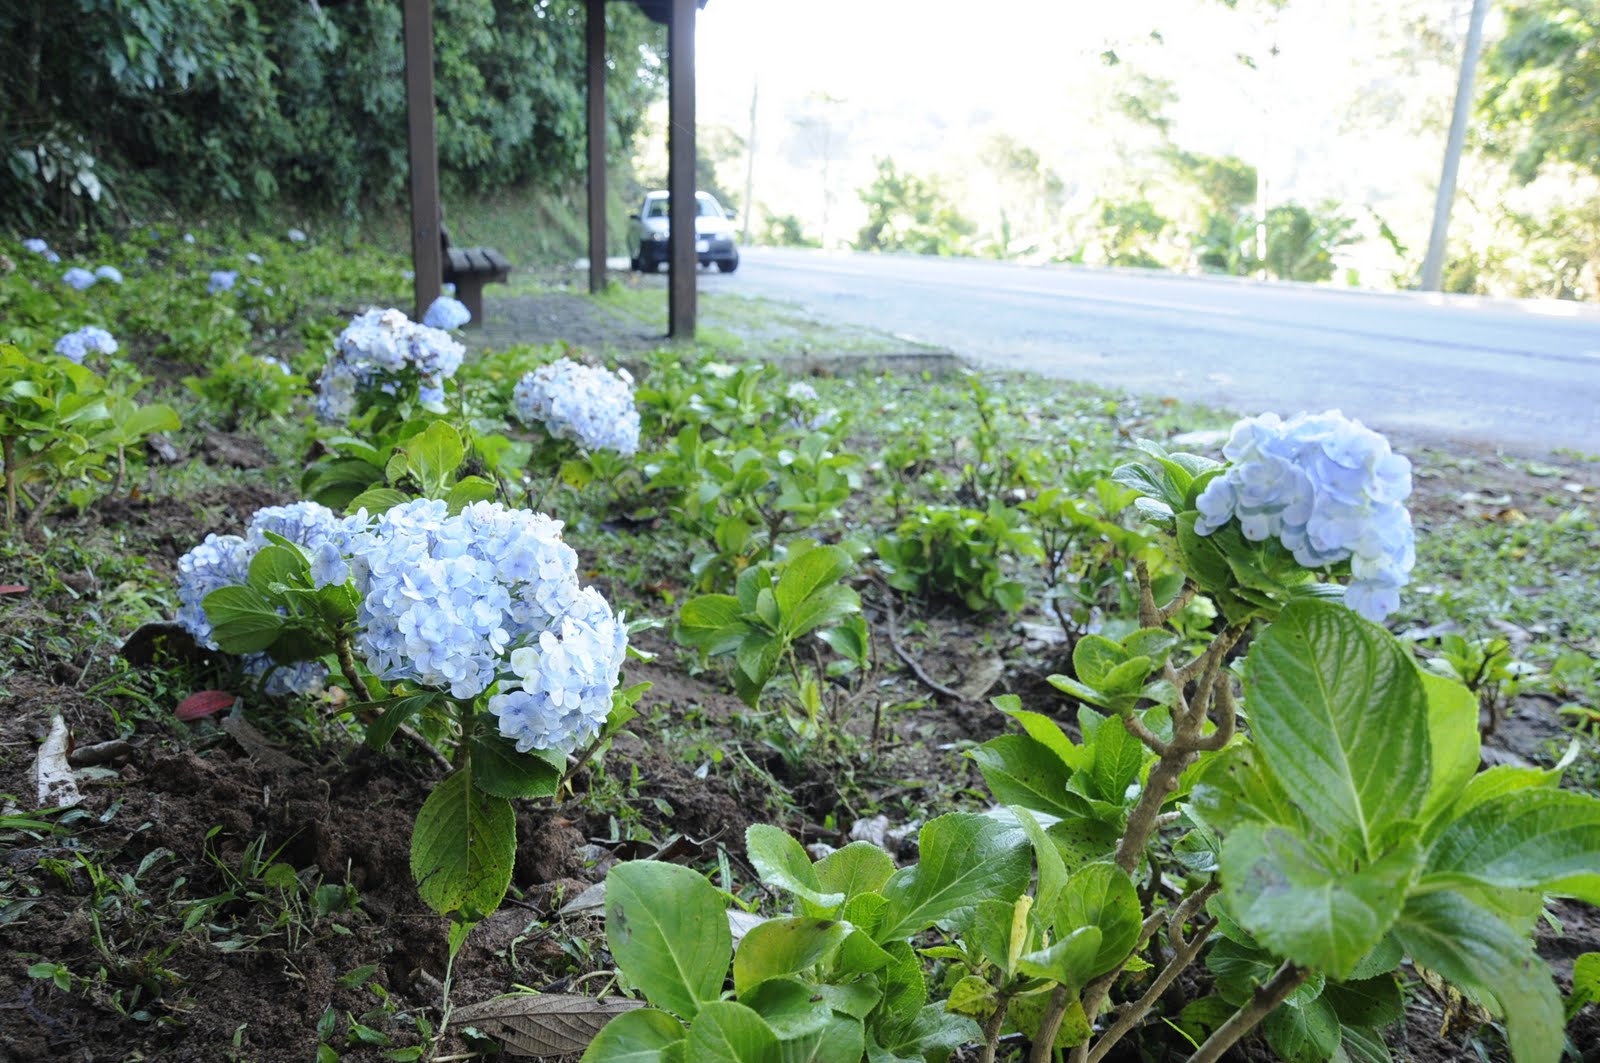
76 346
224 561
453 601
807 416
39 247
109 273
1329 489
382 348
590 406
447 313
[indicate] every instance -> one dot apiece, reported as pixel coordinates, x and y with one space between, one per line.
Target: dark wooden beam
426 250
596 40
680 170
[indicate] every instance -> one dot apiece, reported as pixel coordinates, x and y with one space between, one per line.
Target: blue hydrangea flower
447 313
79 278
1329 489
76 346
489 594
222 280
224 560
386 351
220 561
297 679
590 406
323 534
296 236
39 247
109 273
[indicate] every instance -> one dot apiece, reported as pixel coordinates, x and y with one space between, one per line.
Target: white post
1433 265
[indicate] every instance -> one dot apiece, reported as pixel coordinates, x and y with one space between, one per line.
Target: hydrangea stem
1266 997
9 444
347 667
1202 684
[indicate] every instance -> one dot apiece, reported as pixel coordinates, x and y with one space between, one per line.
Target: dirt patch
235 451
167 527
557 317
169 833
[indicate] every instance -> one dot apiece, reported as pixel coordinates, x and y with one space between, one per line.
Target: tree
191 103
906 213
1540 98
1128 230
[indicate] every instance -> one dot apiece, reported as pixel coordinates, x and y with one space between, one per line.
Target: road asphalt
1523 375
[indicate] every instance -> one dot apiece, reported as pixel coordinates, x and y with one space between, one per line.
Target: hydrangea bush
472 622
589 406
78 345
384 353
224 561
447 314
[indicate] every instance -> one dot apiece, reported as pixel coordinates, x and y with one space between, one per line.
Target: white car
713 230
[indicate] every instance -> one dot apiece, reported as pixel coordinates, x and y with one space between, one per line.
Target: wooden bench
469 269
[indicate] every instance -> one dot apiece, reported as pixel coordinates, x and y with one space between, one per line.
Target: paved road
1519 374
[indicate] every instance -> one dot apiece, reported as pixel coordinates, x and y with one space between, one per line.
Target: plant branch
1137 728
9 445
1131 1015
991 1030
1149 615
1095 993
901 652
1266 997
1227 719
1142 821
1179 603
347 667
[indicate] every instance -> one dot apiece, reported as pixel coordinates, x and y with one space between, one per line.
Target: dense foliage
1537 97
192 103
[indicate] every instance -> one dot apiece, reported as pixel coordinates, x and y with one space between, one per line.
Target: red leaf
205 703
12 588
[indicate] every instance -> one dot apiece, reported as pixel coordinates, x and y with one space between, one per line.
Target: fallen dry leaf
56 786
546 1024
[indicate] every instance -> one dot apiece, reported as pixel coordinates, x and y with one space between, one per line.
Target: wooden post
596 40
426 253
680 170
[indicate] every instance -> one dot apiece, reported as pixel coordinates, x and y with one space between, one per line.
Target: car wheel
728 265
635 265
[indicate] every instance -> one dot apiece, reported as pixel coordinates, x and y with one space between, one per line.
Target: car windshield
657 208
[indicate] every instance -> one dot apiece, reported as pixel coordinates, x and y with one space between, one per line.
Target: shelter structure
426 243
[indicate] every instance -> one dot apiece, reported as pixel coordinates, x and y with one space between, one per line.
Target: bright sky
928 82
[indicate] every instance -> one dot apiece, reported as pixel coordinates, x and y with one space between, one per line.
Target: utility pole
750 166
1433 265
